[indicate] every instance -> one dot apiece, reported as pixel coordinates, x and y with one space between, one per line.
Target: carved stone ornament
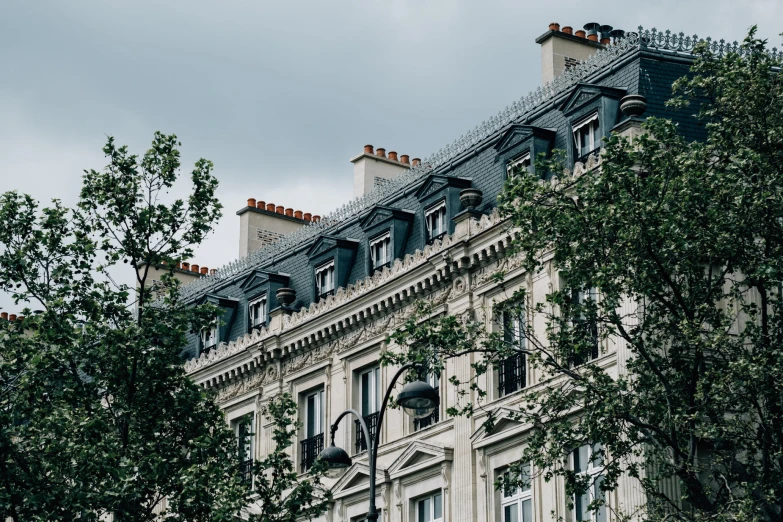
243 386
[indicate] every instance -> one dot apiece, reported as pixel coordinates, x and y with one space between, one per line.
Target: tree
673 250
96 413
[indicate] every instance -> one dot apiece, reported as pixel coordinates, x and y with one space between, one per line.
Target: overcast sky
279 95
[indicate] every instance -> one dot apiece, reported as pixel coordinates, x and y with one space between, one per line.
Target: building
309 312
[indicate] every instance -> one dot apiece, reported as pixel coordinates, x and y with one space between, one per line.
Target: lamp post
417 399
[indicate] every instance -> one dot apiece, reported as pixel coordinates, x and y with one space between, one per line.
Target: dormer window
257 309
380 251
435 219
520 164
324 279
587 139
209 337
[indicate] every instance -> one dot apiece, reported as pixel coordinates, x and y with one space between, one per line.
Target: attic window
257 309
209 337
586 138
518 165
380 250
435 218
324 279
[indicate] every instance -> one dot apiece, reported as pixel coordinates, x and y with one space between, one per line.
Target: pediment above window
419 456
583 94
437 183
523 140
356 479
506 425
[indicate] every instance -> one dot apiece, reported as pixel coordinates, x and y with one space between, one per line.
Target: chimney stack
264 222
561 50
373 168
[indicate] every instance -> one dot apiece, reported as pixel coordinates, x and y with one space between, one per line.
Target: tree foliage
96 413
676 248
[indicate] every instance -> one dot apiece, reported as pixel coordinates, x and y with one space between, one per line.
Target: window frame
433 380
442 219
318 274
594 123
319 416
432 507
518 361
520 159
579 296
517 498
383 239
251 304
595 473
211 332
374 387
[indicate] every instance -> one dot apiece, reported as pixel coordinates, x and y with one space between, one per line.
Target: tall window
433 418
209 337
430 509
586 137
517 503
370 398
512 372
587 460
380 251
257 309
520 164
313 442
324 279
435 218
585 328
243 427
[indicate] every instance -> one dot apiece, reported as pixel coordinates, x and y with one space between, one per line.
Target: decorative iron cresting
643 39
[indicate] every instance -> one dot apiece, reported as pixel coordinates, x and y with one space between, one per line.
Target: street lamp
417 399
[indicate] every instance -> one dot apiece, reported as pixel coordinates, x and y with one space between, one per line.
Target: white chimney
371 169
562 49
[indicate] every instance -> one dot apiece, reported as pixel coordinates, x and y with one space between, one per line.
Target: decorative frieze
247 384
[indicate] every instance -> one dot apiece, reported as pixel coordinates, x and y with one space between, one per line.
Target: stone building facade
357 273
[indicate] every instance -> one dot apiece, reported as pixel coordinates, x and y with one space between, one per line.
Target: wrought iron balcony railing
309 450
372 425
511 374
425 422
583 157
246 469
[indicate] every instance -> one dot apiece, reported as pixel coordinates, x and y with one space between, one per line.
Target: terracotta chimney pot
592 37
606 41
289 212
368 149
405 159
204 270
213 271
280 209
393 155
251 202
298 214
261 205
568 29
185 266
554 26
307 216
270 207
12 317
380 152
316 219
4 315
416 162
579 33
194 268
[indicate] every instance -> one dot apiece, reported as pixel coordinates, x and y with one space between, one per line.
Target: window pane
437 507
580 506
510 513
424 510
598 456
597 493
311 416
377 383
527 511
366 394
581 459
525 476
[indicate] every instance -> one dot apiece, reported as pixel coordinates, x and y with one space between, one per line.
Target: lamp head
418 399
336 459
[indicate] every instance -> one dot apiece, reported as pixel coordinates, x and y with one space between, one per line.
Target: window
586 137
430 509
585 329
313 442
435 219
257 309
516 504
433 418
370 398
518 165
512 372
380 251
324 279
587 460
243 428
209 337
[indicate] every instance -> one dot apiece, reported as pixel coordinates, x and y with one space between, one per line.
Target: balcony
425 422
583 158
511 375
372 425
309 450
